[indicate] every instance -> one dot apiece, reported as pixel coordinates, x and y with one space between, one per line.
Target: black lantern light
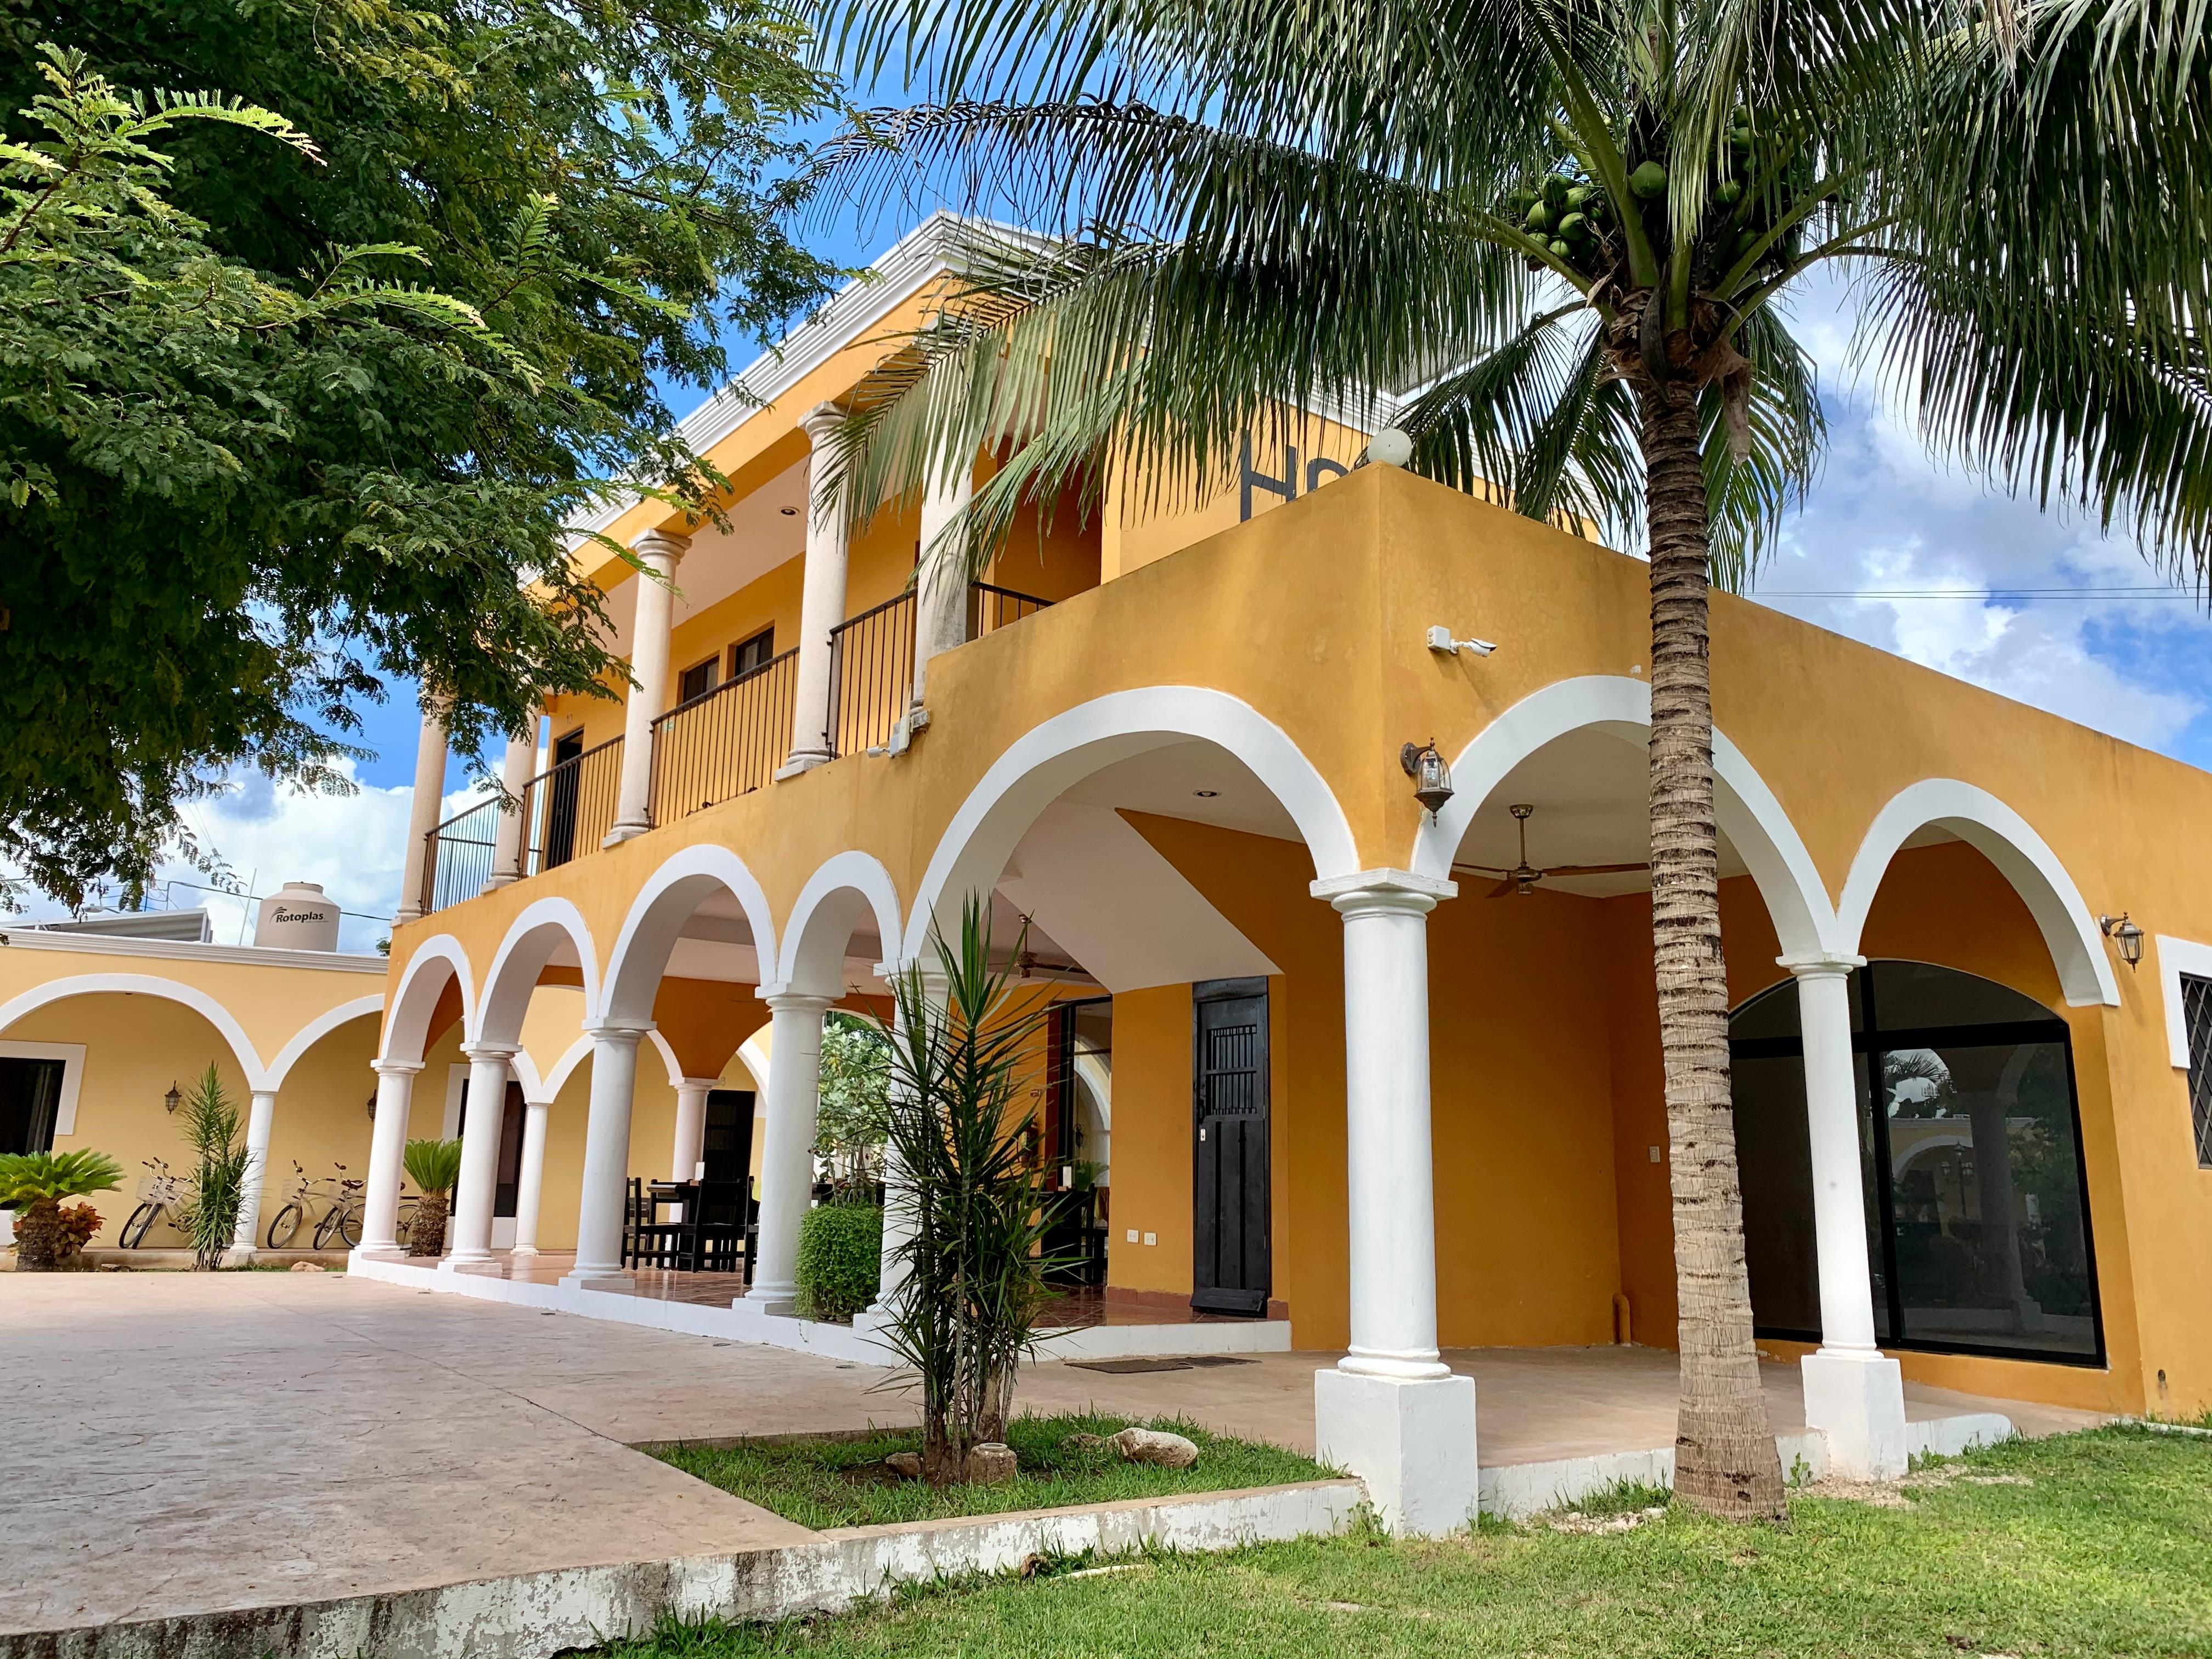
172 1100
2125 936
1432 784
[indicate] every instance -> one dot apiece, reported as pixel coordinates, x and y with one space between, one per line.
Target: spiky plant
1552 239
435 1167
216 1188
35 1183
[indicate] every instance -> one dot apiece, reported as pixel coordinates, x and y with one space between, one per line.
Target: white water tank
297 917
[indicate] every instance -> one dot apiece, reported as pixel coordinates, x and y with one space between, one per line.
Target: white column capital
395 1067
821 422
484 1054
660 550
700 1083
782 997
1393 892
627 1032
1821 964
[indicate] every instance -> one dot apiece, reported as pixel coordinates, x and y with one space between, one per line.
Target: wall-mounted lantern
2126 937
1432 784
172 1100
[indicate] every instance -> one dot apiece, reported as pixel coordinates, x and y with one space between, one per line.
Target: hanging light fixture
1432 784
2125 936
172 1100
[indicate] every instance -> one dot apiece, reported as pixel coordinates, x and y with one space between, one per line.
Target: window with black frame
1977 1226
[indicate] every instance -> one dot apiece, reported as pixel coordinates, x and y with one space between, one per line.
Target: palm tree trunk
1724 1454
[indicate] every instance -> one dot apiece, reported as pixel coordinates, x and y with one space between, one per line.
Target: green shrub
840 1257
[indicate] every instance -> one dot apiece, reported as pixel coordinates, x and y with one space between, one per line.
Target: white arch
407 1016
146 985
2021 856
837 897
755 1060
316 1030
563 1068
530 941
1052 756
1748 813
667 1056
657 916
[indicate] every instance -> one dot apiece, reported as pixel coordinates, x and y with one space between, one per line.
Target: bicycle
341 1217
160 1195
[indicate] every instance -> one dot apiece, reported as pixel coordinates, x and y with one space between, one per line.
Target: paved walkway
182 1442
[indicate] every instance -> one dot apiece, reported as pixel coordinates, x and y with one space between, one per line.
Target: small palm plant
435 1167
971 1199
209 1215
47 1236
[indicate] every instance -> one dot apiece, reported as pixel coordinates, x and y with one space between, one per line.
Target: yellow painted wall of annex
1314 614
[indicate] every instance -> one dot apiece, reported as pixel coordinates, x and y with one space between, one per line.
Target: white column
481 1126
605 1193
1392 1411
530 1179
243 1236
515 773
388 1157
1853 1393
794 1094
940 607
821 603
690 1126
648 667
422 810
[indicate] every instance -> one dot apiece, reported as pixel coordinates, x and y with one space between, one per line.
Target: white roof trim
251 955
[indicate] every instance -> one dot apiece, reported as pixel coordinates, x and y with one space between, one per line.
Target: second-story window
697 681
746 655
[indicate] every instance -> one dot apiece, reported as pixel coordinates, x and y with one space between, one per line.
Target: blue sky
1923 556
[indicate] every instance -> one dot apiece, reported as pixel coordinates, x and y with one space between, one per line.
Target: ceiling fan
1522 879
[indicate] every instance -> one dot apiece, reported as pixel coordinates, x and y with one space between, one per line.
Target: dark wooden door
562 786
727 1147
1231 1272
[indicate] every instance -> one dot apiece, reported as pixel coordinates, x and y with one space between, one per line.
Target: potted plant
435 1167
49 1238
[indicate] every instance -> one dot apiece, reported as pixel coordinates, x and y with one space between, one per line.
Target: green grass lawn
843 1483
2098 1543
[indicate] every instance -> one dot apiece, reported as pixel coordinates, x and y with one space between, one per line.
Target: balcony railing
569 810
990 609
723 742
456 856
871 676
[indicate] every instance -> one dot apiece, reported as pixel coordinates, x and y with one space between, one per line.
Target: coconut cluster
1575 217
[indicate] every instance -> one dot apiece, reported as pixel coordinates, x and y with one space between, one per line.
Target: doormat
1181 1363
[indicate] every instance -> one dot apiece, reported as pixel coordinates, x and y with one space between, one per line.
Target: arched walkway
532 940
671 896
258 1076
2021 856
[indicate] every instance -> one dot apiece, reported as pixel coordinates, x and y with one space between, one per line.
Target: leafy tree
432 321
435 1167
35 1183
850 1126
1561 231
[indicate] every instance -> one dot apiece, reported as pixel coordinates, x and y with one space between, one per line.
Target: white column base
1857 1400
489 1266
1411 1441
772 1301
617 1280
623 832
378 1252
238 1255
804 762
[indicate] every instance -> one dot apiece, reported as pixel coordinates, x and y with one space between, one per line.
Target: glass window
30 1091
1977 1234
698 680
2197 1018
753 653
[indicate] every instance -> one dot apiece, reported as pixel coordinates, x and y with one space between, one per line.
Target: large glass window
1977 1227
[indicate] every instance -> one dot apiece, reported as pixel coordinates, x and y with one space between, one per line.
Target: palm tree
35 1183
1550 239
435 1167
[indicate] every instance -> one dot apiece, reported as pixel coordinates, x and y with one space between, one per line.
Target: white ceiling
761 536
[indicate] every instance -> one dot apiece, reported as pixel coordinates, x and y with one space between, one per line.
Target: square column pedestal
1411 1440
1857 1400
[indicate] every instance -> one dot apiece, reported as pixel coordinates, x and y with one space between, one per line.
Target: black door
1229 1074
30 1091
727 1147
507 1184
561 800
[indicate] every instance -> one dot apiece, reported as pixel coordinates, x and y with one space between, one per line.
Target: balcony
726 742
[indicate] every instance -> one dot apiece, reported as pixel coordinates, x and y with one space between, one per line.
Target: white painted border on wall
71 1055
2177 957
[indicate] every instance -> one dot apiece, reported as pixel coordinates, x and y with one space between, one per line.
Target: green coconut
1729 193
1575 224
1649 182
1539 218
1559 248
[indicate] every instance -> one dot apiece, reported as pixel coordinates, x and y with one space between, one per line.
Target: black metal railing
990 608
871 676
725 742
456 856
569 810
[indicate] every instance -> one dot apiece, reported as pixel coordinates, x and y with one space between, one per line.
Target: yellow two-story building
1351 1075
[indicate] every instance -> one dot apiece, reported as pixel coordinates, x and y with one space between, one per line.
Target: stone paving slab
181 1443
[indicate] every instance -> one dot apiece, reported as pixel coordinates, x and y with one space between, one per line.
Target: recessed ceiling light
788 512
1205 794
